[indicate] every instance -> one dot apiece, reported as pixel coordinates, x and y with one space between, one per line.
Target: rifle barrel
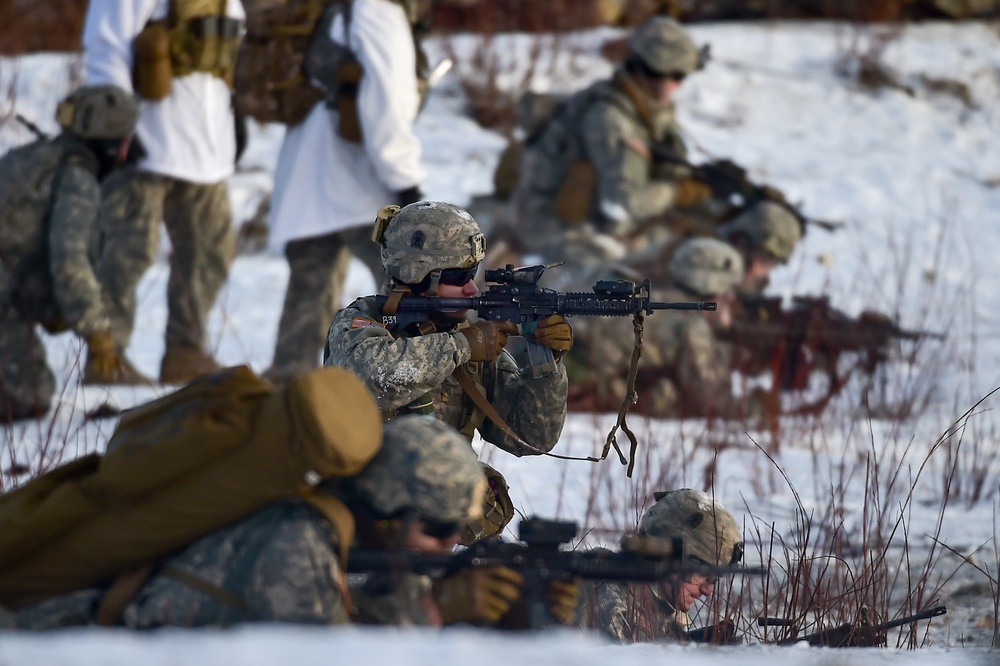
698 305
925 615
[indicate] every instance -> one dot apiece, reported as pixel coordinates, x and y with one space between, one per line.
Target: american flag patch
361 322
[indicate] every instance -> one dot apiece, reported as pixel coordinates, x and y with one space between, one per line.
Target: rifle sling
469 387
630 399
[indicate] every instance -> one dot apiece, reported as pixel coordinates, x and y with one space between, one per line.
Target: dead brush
861 57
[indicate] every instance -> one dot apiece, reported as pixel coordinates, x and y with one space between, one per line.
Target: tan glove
691 192
478 596
555 333
106 364
563 600
488 338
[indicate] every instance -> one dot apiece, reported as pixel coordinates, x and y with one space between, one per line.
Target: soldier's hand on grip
563 599
488 338
555 333
478 596
691 192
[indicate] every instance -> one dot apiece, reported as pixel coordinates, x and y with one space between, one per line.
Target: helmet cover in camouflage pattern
706 266
427 236
709 531
424 466
99 112
663 46
769 226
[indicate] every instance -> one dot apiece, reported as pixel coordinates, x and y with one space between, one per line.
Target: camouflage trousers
199 222
315 286
26 382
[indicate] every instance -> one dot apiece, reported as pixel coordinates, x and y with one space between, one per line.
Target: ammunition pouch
153 75
196 37
575 198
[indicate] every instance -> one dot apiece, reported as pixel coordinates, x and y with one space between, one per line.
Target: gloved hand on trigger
488 338
691 192
555 333
563 599
478 596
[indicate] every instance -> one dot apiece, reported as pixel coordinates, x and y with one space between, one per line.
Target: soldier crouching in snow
49 201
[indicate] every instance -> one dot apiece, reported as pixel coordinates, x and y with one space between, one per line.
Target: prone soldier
653 612
283 563
49 238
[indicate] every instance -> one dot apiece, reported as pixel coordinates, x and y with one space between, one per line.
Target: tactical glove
106 364
563 599
477 596
690 192
555 333
488 338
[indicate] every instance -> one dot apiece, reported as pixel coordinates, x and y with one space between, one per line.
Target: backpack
271 83
179 468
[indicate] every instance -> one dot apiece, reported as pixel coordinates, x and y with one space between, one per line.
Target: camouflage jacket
400 369
631 613
279 565
601 125
50 242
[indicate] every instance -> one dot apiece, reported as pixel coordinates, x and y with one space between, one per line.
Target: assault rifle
540 559
515 296
732 187
853 634
811 335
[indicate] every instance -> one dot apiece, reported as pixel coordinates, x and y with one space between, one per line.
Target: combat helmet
427 237
99 112
706 266
769 226
707 529
663 46
425 468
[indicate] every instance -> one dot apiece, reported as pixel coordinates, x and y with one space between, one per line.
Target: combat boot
181 364
106 364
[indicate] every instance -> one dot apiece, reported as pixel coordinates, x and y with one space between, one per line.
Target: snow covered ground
914 174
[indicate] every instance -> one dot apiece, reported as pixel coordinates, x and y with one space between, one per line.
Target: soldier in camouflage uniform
49 245
434 249
591 179
188 134
765 235
652 612
282 564
685 369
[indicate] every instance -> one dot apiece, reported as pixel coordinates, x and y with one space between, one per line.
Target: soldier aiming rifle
812 335
540 559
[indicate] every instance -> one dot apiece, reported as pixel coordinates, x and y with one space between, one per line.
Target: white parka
323 184
189 134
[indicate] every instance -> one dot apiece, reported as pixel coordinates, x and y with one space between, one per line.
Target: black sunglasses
458 277
440 530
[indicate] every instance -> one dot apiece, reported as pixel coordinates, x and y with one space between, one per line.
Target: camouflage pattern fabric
630 613
399 371
315 286
603 126
26 382
199 221
47 259
685 371
280 565
390 599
